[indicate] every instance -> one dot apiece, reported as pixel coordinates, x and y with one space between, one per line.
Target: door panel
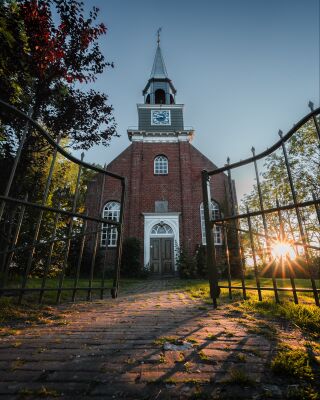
155 260
167 255
161 256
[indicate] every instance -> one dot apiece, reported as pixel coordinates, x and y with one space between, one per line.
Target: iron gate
50 243
274 238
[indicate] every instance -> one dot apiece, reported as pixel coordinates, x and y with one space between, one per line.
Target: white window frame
159 228
111 210
160 165
217 234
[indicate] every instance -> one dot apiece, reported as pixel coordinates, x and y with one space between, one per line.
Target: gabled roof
159 70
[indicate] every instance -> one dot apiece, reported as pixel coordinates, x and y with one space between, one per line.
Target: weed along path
158 340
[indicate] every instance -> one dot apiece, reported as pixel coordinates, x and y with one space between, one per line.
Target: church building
164 207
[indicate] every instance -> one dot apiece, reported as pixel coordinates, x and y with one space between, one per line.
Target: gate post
211 251
115 285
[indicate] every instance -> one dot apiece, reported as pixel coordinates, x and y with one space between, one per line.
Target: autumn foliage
51 46
49 54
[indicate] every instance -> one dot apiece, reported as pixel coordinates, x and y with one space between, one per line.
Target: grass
192 340
302 393
293 362
211 336
17 364
266 330
241 357
187 366
42 392
190 381
239 377
203 356
168 339
199 289
181 358
305 315
12 314
130 361
174 340
68 283
162 358
30 312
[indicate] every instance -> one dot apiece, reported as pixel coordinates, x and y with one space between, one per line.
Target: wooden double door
162 256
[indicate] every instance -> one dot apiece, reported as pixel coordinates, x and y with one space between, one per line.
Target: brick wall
181 187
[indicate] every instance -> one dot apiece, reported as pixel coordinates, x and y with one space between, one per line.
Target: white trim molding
135 135
152 219
160 106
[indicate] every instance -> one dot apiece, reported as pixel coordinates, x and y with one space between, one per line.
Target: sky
243 68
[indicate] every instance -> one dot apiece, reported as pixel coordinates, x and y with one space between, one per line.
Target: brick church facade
163 171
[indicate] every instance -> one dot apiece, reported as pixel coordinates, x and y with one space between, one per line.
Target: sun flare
282 250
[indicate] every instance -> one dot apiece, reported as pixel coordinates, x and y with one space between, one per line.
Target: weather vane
158 33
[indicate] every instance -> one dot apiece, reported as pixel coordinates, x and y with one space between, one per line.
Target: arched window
217 229
161 165
110 211
160 96
162 229
148 99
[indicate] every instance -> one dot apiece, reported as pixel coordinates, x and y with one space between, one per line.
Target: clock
160 117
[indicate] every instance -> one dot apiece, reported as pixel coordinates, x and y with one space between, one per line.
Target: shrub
187 264
130 262
201 260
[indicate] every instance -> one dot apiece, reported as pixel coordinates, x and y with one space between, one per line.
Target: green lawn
196 288
305 315
200 288
68 283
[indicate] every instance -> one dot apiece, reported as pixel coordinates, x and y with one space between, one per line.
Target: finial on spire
158 34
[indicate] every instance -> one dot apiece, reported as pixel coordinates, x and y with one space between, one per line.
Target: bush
201 259
130 261
187 264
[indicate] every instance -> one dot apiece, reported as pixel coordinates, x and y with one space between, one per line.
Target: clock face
160 117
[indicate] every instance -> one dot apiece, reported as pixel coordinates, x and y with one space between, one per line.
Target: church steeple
159 89
160 119
159 70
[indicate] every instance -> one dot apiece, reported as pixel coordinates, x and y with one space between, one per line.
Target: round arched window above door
162 229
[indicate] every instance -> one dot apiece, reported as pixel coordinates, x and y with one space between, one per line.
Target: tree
304 159
45 61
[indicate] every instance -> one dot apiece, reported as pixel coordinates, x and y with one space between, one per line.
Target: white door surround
152 219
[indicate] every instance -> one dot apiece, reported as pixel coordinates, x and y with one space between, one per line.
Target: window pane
161 165
217 229
162 229
110 211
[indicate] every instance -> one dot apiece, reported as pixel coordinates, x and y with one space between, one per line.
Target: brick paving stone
108 350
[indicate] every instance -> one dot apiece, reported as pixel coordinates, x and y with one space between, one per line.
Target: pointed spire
159 70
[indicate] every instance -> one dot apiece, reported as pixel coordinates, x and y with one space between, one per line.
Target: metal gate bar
23 206
232 223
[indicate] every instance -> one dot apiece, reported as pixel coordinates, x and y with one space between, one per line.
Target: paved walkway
151 343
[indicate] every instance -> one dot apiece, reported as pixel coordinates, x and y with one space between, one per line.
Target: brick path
107 350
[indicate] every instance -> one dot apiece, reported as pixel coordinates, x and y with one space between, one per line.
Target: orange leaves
59 50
